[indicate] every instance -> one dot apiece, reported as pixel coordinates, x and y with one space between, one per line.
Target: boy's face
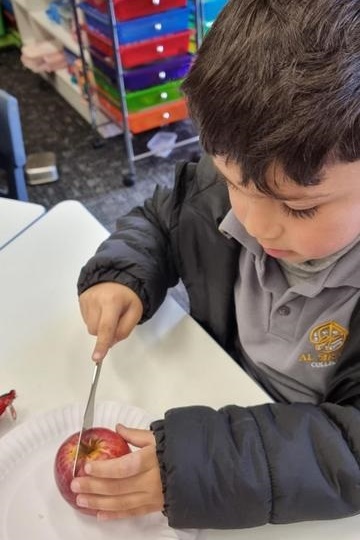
301 222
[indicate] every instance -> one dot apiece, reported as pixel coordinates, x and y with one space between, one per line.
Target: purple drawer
173 68
158 73
104 63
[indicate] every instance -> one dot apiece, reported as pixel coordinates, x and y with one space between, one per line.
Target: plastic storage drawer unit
154 117
150 75
125 9
158 116
174 20
140 99
212 8
143 52
156 95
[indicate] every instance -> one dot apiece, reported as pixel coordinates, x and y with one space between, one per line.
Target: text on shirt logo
328 340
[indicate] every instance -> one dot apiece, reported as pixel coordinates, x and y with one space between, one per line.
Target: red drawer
150 118
143 52
101 43
131 9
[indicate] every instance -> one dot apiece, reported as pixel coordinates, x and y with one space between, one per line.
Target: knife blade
88 419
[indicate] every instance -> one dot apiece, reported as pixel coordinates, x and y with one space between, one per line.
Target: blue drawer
173 20
7 6
212 8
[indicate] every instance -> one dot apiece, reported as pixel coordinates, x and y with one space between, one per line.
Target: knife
88 419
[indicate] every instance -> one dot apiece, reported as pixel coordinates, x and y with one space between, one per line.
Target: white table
169 361
15 216
42 332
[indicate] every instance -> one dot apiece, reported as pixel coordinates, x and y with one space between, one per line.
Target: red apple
97 443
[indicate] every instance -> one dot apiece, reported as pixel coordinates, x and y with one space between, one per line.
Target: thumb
136 437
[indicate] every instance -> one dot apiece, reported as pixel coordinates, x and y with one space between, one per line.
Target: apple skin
97 443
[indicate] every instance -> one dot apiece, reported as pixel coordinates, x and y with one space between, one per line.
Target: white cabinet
34 25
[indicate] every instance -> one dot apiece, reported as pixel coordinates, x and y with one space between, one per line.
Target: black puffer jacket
237 467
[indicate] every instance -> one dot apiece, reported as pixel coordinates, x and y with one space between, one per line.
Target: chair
12 151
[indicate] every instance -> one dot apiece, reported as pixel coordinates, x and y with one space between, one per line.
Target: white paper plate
31 507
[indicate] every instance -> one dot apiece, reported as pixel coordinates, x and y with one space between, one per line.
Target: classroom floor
91 176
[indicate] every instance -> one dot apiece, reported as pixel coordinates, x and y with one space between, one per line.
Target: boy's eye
303 213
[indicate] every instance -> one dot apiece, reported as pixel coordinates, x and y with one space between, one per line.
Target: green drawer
156 95
2 25
106 85
141 99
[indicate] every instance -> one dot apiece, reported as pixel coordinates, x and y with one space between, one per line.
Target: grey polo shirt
293 335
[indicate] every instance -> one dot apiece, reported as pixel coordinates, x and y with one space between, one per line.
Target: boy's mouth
278 253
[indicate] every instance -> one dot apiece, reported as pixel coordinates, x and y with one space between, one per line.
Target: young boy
271 265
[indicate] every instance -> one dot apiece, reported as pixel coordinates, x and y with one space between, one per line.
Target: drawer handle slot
166 115
160 48
156 2
164 95
162 75
158 26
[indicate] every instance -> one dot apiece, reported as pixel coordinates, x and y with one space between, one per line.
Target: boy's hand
125 486
110 312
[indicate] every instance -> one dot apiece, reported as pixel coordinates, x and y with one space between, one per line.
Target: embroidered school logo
328 340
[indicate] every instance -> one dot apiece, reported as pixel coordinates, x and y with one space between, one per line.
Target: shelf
35 26
71 92
21 3
59 32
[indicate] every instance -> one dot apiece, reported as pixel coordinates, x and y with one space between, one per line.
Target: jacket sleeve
274 463
139 253
244 467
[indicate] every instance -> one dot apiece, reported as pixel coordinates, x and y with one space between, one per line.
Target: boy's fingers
122 503
99 354
101 348
105 334
127 323
125 466
136 437
105 516
112 327
108 487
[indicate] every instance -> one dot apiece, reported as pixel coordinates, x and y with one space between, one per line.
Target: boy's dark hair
278 81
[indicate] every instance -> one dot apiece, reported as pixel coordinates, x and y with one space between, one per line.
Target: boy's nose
262 224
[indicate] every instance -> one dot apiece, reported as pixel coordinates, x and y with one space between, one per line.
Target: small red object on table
6 400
